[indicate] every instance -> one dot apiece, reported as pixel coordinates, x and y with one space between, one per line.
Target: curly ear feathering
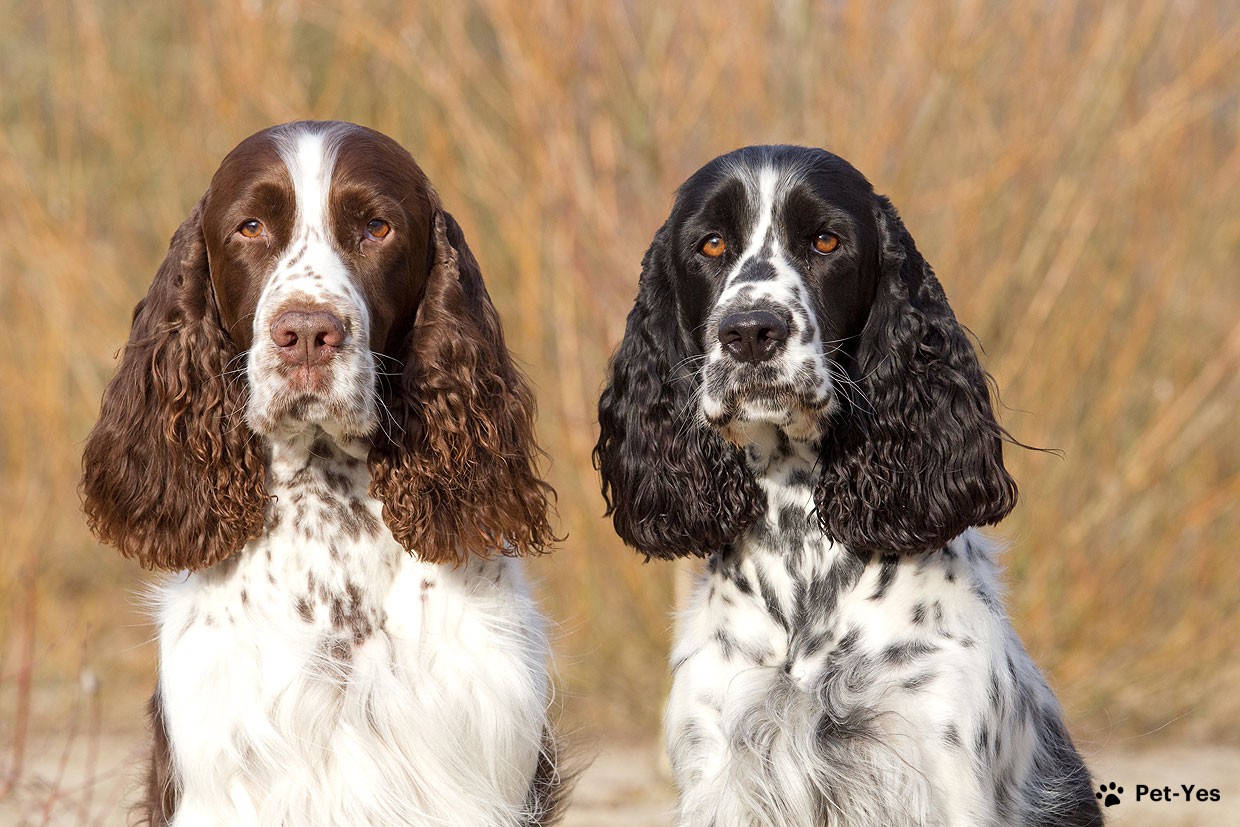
672 486
917 456
317 416
172 475
794 398
911 452
457 472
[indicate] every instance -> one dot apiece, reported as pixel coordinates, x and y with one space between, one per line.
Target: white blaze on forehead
801 362
310 157
311 272
764 187
767 184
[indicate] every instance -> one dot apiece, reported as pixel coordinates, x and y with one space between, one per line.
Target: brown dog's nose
307 337
753 336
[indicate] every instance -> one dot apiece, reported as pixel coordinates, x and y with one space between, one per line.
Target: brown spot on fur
339 650
368 522
551 786
163 788
337 482
348 613
189 622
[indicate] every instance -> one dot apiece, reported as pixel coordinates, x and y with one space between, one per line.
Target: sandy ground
624 787
84 782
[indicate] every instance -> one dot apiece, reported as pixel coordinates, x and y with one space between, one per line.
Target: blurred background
1072 171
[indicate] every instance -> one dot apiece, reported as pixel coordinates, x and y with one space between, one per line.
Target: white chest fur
324 676
817 686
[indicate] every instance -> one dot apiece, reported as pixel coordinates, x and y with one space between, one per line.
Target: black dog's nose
753 336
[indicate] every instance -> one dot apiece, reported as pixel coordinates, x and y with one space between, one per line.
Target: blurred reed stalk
1070 170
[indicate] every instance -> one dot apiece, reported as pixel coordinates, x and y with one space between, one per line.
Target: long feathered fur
348 640
172 477
846 660
457 467
917 456
672 486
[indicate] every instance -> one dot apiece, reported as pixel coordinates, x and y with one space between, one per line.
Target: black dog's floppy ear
171 474
673 487
917 456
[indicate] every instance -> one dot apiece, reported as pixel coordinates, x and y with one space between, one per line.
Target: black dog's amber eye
378 228
251 229
714 246
825 243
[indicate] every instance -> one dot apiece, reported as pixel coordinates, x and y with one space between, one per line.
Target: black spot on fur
917 681
888 567
791 520
949 565
898 654
819 598
783 446
809 644
771 600
800 478
994 692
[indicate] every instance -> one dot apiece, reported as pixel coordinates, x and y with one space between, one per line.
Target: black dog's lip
784 395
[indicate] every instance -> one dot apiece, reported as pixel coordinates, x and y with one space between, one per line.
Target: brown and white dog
316 422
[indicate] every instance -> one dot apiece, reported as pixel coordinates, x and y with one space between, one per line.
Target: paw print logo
1109 794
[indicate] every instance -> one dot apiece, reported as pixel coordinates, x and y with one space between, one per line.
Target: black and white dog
795 400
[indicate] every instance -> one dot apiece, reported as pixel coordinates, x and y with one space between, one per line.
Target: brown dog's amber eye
714 246
378 228
825 243
251 229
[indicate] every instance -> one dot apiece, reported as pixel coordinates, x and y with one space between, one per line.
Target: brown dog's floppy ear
918 456
171 474
456 466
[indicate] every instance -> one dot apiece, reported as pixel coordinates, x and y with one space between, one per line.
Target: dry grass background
1071 170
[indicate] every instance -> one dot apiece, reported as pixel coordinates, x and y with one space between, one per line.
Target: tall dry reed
1070 170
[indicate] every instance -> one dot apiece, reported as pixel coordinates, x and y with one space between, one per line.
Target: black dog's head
782 292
